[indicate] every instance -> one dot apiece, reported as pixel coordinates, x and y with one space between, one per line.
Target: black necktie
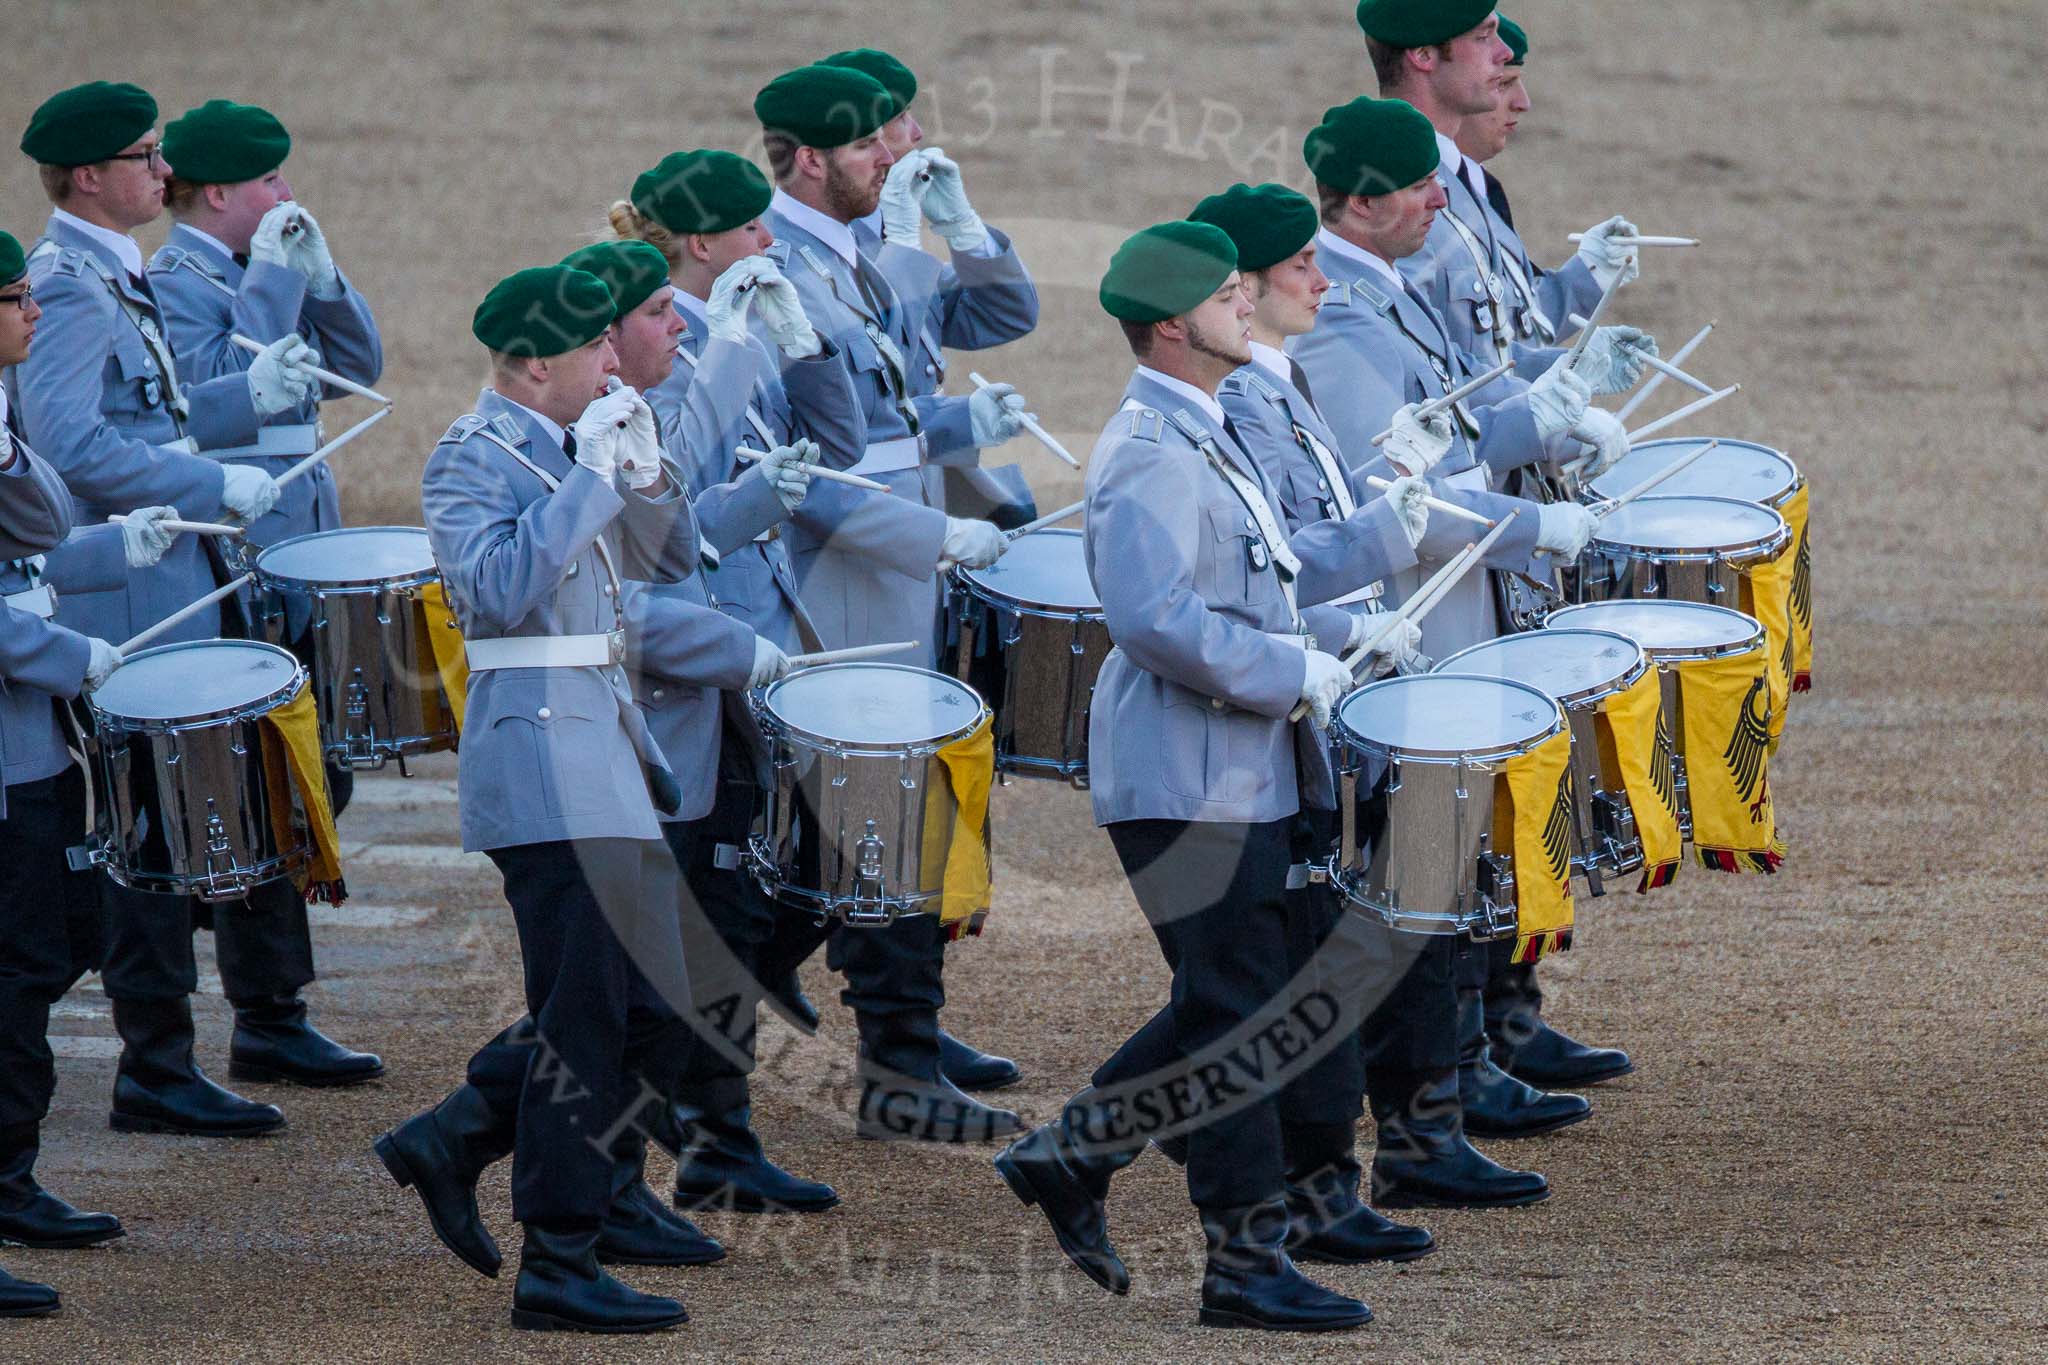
569 444
240 258
1230 430
1497 195
1301 380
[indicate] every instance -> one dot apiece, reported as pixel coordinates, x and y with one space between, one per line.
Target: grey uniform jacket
1189 719
1375 349
95 402
854 596
207 299
547 753
41 661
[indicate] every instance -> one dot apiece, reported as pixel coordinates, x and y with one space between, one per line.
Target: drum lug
1495 917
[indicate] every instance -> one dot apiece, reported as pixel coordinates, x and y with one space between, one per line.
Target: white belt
546 651
886 457
40 601
291 438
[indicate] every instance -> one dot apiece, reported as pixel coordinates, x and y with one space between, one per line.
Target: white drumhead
196 679
872 704
1688 525
358 555
1567 664
1663 627
1438 713
1045 568
1734 469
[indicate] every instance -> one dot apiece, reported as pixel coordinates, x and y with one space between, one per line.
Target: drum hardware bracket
84 857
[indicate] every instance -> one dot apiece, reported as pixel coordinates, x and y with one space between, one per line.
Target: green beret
1267 223
88 123
13 265
1166 270
1372 147
702 191
824 106
224 143
1419 23
1517 41
543 311
895 77
631 270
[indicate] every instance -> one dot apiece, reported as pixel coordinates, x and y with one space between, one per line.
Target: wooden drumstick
1663 367
204 528
1436 504
1465 390
184 614
1030 424
840 656
1047 520
1578 237
1676 467
319 457
328 377
1643 433
1642 395
1585 337
819 471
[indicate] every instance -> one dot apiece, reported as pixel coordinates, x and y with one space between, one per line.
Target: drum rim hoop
1573 701
1760 549
981 590
1661 654
208 720
343 586
1774 502
774 724
1482 757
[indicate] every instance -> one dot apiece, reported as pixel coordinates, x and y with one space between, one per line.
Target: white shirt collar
120 243
1274 362
1211 409
873 222
1330 243
1456 163
547 423
830 231
216 243
3 406
691 307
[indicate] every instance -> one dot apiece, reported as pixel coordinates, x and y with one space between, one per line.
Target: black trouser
599 1021
1511 987
49 934
1215 896
1413 1035
263 943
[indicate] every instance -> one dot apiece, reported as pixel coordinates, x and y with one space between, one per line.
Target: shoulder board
1147 424
169 258
464 427
1258 381
778 252
63 260
1338 295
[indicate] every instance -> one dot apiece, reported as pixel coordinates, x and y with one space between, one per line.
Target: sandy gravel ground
1832 1148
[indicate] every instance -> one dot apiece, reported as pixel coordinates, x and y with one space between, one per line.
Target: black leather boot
1424 1161
903 1095
1531 1050
273 1042
788 998
158 1089
442 1153
1069 1184
1495 1103
30 1214
1330 1224
970 1068
719 1160
1250 1281
640 1228
562 1288
26 1298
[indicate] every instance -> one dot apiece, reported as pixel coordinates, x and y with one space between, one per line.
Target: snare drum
1679 549
178 763
1672 635
855 783
374 679
1416 851
1581 669
1032 639
1733 469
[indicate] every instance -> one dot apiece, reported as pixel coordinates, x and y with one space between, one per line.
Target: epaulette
64 260
1338 295
778 252
1253 379
465 426
169 258
508 429
1147 424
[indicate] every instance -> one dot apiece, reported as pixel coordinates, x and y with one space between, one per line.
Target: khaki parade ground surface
1832 1148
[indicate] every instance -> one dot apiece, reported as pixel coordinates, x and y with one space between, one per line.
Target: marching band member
560 783
1522 1042
49 911
1195 771
822 127
101 399
981 297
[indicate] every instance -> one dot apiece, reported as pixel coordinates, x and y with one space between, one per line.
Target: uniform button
656 694
609 590
1250 525
545 714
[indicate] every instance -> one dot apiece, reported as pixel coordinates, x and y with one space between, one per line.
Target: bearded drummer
1202 594
101 398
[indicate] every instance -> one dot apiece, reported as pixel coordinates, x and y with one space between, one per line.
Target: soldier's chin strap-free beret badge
88 123
1166 270
542 311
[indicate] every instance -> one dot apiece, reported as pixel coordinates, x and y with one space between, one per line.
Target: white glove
601 431
1323 684
639 449
945 203
306 252
246 492
143 537
770 663
279 377
267 242
1563 528
1418 443
1558 399
1405 496
1603 431
782 312
100 663
996 413
1604 257
1613 361
977 544
902 195
725 312
788 468
6 449
1391 653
